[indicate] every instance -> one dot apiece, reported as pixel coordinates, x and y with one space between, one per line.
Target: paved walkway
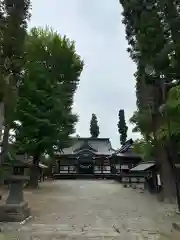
92 209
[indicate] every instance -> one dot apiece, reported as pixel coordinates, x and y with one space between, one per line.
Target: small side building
125 159
144 175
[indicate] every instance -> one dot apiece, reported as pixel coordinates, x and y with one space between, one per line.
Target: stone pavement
92 209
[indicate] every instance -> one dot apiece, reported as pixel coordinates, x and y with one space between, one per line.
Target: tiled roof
102 146
124 148
129 153
126 151
143 166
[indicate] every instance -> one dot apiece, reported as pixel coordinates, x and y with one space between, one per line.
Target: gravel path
92 209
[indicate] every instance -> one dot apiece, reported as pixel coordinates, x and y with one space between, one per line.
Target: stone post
15 208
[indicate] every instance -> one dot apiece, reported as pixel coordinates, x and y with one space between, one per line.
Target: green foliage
171 115
142 26
142 121
153 39
94 128
14 16
144 148
153 35
52 72
122 127
13 25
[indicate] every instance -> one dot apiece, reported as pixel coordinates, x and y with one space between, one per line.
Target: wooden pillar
77 165
59 166
119 164
102 161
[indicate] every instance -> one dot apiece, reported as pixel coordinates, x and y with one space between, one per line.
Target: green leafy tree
44 109
94 128
122 127
144 148
13 25
142 120
171 112
153 39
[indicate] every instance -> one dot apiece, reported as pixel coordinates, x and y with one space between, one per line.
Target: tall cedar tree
94 128
14 16
122 127
52 74
153 41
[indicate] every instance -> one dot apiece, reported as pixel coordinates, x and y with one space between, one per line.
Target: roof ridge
90 138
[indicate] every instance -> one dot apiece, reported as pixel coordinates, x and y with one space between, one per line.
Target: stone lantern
15 209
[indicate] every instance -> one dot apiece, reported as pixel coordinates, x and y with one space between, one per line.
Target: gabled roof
126 151
128 154
85 145
125 147
99 146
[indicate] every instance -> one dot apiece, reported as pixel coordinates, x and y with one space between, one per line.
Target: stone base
178 212
176 226
14 212
133 185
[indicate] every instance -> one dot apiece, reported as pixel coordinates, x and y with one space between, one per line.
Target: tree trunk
34 172
5 143
1 118
167 177
166 171
34 177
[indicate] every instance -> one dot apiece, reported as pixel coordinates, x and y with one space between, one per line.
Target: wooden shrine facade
94 157
86 157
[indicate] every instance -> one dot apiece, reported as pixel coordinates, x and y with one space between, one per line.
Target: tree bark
5 143
34 172
1 118
165 169
34 177
167 177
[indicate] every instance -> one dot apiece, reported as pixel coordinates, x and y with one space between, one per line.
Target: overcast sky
107 82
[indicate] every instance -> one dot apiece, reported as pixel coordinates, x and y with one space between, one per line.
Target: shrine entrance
86 167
